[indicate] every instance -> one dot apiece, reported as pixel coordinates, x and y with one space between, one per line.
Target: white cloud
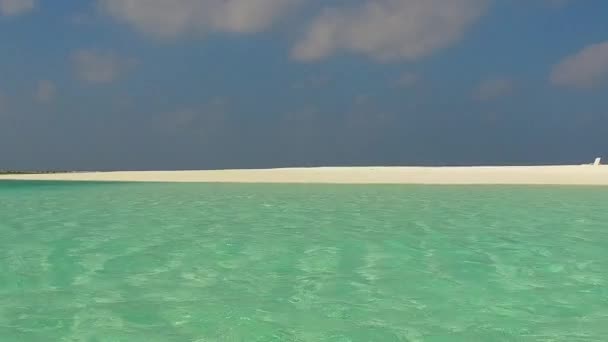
96 66
586 69
16 7
170 18
389 29
45 91
493 89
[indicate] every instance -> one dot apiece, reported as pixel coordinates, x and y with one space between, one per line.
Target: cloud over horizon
45 91
3 102
95 66
407 79
16 7
383 30
387 30
587 68
493 89
168 19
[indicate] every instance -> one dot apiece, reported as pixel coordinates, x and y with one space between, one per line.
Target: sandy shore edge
508 175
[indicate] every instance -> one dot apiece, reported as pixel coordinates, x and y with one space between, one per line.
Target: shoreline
449 175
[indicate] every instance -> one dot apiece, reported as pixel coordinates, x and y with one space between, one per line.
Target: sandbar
498 175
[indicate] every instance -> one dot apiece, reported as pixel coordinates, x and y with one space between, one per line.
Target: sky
214 84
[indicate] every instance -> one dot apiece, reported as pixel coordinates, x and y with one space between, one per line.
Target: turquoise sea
219 262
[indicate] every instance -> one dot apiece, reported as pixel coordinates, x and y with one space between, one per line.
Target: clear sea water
203 262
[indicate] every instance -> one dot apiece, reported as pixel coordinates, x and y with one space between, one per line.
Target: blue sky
184 84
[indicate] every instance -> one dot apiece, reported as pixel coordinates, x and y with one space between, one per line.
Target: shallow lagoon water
220 262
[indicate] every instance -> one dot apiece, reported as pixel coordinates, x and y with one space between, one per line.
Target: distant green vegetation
12 172
3 172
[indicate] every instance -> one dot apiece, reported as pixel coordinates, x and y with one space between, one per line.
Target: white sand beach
513 175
